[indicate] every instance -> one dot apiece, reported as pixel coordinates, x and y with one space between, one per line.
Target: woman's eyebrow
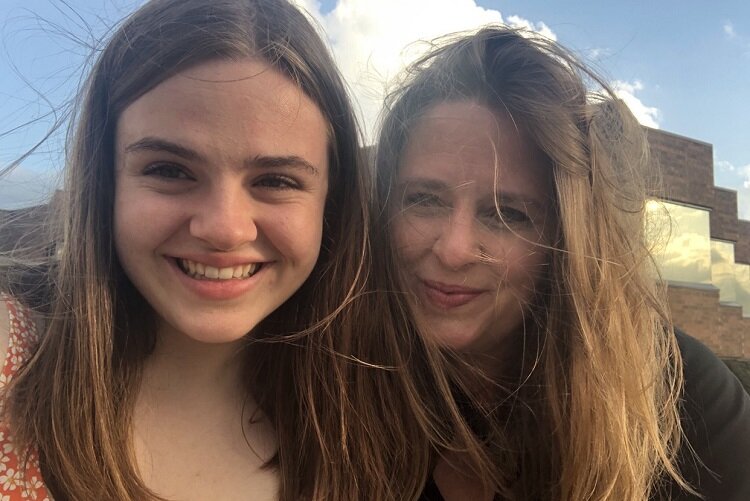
151 143
518 198
502 196
424 183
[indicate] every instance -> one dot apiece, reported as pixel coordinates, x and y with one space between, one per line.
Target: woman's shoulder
716 423
709 383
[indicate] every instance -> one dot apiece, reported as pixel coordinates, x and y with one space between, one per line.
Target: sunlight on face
221 182
470 223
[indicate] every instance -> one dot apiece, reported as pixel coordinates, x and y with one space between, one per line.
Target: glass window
723 271
742 276
680 239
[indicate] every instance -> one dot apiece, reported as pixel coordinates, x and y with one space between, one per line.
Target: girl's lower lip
447 300
215 289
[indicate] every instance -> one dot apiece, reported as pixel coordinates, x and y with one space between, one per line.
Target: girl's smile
221 183
218 283
202 271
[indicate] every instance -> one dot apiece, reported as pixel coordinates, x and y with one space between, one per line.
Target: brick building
25 231
705 257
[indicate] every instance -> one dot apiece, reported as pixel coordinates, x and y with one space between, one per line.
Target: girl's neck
197 432
180 365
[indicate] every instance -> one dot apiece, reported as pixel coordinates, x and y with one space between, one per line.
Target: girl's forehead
216 86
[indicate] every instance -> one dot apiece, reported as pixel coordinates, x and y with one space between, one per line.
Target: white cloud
729 30
646 115
745 171
598 53
372 42
738 39
540 27
723 166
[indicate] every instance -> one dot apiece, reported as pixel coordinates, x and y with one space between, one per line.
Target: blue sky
682 66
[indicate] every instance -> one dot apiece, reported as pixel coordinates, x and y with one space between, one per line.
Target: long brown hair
332 374
593 412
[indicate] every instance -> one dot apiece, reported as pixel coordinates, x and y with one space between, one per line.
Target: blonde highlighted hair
593 412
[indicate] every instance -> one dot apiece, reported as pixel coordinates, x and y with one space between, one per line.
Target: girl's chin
210 334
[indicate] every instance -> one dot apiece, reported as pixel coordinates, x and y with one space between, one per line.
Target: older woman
513 185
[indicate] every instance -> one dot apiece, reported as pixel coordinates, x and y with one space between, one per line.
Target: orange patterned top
17 483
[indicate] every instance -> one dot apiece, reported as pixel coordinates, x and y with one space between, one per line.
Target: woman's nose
225 219
456 246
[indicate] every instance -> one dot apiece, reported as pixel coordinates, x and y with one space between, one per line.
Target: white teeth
204 271
212 272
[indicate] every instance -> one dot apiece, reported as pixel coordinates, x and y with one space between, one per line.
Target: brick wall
742 247
686 165
696 310
25 231
733 329
723 216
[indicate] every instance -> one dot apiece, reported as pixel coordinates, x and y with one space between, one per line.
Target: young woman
204 328
514 183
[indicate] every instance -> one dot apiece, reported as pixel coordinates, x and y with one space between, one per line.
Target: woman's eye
168 171
505 216
423 200
277 182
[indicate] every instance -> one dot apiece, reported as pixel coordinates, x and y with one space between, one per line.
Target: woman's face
471 217
221 182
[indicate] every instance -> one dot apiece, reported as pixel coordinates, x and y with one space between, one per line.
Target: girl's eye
278 182
167 171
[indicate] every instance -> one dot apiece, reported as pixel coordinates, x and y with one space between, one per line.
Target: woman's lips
446 296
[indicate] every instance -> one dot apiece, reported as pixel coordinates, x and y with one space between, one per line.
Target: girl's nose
225 219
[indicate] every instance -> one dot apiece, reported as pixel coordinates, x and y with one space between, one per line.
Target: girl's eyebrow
292 161
151 143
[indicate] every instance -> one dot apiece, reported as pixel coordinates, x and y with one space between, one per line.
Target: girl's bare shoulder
18 333
4 328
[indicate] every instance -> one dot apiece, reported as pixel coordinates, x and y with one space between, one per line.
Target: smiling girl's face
221 182
471 217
